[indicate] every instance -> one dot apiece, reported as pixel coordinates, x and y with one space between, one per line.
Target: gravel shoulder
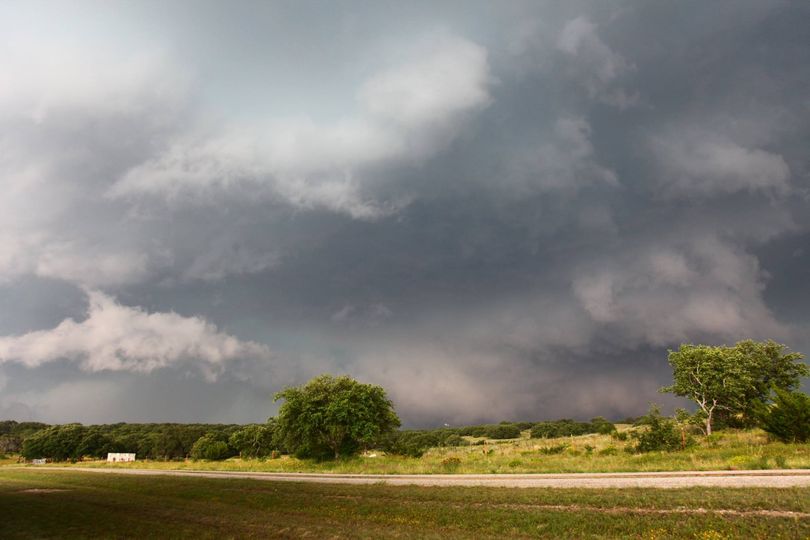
663 480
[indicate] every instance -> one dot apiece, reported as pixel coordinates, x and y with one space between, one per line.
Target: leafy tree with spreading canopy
211 447
733 380
254 440
333 415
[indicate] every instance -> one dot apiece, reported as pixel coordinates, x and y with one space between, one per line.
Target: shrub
456 440
556 449
567 427
609 451
409 443
619 435
451 462
503 431
788 418
661 434
210 447
602 426
473 431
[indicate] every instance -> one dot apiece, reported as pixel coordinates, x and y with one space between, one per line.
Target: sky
494 210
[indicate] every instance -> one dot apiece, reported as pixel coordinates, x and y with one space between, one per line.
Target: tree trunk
709 423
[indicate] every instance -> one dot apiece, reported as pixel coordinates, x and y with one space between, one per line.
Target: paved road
737 479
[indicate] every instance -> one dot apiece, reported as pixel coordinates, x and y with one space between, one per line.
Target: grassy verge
588 453
50 504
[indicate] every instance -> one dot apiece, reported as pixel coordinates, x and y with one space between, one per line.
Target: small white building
119 457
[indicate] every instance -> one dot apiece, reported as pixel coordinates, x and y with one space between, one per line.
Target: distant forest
171 441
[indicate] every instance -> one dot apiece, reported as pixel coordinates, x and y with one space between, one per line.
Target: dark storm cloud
505 213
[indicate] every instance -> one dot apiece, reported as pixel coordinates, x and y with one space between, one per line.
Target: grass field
58 504
588 453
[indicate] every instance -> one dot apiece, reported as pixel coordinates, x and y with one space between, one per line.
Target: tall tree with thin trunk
732 379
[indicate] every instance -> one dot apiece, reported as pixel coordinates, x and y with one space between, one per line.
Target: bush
451 462
788 418
456 440
210 447
601 426
503 431
473 431
409 443
556 449
661 434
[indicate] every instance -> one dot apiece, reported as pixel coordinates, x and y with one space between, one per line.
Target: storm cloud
496 211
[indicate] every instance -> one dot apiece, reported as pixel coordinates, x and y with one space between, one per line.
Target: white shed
118 457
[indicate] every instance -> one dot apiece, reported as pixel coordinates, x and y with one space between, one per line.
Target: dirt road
736 479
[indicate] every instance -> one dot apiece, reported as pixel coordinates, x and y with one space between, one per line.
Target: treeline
221 441
148 441
415 442
12 434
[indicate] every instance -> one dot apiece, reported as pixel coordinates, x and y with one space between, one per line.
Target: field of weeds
42 503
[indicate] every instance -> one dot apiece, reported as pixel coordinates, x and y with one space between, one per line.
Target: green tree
333 415
254 440
57 442
788 417
772 366
10 444
210 446
732 380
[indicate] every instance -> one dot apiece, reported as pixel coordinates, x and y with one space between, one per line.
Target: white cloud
450 79
697 163
115 337
71 120
409 113
97 148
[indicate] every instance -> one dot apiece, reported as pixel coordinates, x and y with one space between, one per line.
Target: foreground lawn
733 450
60 504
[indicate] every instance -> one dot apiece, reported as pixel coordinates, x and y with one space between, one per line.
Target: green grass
93 505
724 451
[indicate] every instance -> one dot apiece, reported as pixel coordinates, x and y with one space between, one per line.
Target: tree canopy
333 416
733 379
